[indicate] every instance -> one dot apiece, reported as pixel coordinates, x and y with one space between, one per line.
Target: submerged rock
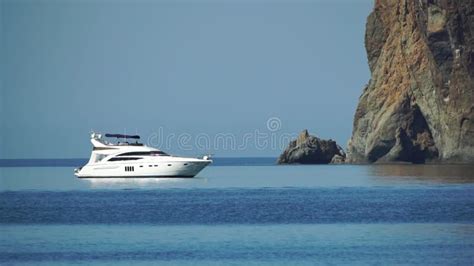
307 149
419 103
337 159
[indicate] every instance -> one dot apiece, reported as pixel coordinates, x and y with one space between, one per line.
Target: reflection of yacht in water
124 159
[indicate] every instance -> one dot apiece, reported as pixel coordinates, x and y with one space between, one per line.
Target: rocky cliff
419 103
307 149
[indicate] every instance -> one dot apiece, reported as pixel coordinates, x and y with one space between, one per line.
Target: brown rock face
419 103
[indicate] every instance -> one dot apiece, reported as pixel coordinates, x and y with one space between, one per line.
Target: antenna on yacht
95 135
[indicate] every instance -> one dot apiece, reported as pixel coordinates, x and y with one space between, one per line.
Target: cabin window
129 168
124 159
169 164
144 153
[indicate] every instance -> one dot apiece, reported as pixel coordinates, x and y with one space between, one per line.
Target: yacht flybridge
133 159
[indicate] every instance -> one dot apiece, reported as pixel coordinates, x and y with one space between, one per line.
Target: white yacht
132 159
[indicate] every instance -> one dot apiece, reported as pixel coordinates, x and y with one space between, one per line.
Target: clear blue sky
193 67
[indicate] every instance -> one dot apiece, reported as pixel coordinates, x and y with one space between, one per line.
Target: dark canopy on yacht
121 136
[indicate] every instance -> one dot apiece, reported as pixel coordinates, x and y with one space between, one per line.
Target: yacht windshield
100 157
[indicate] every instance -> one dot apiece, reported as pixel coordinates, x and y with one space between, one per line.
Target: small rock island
307 149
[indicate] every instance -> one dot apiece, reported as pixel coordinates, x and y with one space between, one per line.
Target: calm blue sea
238 211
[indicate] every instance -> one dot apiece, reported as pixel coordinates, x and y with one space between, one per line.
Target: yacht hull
137 176
143 170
